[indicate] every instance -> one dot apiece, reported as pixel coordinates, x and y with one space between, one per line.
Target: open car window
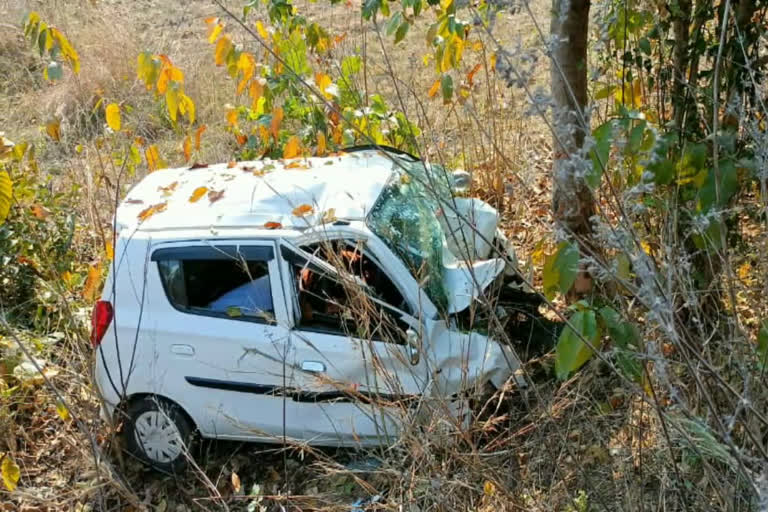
222 281
341 290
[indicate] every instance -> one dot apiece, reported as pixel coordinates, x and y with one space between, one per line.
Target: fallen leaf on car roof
197 194
151 210
215 195
197 165
302 210
272 225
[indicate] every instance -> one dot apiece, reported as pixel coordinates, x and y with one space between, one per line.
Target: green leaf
6 195
53 71
605 92
446 86
393 23
402 30
626 338
561 269
571 351
762 344
645 45
600 152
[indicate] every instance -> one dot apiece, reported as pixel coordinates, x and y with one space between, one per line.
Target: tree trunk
572 200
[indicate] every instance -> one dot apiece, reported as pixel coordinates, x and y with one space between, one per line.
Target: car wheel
158 433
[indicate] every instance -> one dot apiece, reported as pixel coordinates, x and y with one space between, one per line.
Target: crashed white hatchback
307 300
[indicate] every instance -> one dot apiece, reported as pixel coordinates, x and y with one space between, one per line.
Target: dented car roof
294 193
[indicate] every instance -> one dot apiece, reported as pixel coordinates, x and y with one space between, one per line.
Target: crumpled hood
464 283
452 352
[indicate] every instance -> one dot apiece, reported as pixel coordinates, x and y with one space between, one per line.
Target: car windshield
405 217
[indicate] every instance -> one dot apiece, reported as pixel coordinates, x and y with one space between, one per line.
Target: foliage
293 110
51 41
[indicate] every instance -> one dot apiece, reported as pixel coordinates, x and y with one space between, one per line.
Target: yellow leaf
223 47
302 210
62 410
277 118
214 32
433 90
10 472
477 46
187 148
198 135
235 482
6 195
292 148
167 75
323 81
197 194
187 107
113 117
489 488
245 64
153 158
109 251
172 102
329 215
493 62
92 282
261 30
321 146
53 129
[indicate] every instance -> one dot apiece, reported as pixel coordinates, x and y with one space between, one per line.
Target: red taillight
100 319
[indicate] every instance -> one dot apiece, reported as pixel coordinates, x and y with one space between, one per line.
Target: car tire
158 432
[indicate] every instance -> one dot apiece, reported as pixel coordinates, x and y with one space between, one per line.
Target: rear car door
358 370
220 335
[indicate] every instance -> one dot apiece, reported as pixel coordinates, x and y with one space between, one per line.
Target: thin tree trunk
572 200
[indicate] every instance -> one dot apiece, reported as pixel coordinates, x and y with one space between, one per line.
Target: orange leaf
264 134
337 134
232 117
223 47
433 90
241 138
53 129
255 91
149 211
198 135
153 158
197 194
292 148
187 148
211 20
297 164
302 210
273 225
215 195
38 211
320 144
471 74
231 164
277 118
92 282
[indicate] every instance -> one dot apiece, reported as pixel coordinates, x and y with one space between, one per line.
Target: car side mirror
414 348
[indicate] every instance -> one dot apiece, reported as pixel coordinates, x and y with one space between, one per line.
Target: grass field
550 445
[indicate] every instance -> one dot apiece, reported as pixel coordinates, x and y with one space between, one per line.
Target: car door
221 337
357 378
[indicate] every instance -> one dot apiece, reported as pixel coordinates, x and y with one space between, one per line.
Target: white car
309 300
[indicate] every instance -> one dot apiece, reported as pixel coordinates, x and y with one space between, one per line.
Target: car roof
285 194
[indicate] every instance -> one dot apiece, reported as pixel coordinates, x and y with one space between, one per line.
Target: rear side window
222 281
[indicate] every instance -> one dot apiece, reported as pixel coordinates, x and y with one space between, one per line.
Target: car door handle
183 350
312 366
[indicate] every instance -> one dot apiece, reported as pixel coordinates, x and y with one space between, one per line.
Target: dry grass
541 449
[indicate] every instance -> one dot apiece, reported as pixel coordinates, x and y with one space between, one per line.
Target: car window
218 282
338 304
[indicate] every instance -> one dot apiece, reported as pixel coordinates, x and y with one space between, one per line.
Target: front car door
358 373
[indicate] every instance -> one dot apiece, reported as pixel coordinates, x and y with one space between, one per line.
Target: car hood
466 282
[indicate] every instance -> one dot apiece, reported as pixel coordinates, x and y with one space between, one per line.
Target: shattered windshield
405 218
